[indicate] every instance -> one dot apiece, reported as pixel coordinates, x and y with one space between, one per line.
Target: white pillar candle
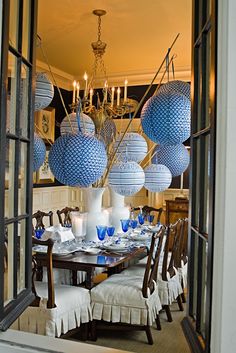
77 227
91 97
77 92
86 85
118 96
74 86
105 94
112 96
125 91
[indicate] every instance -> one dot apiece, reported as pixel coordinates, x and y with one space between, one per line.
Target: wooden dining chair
169 285
57 309
65 221
131 300
148 209
39 216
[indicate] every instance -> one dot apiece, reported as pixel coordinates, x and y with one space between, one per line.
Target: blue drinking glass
150 218
124 225
101 232
133 223
110 231
38 233
141 218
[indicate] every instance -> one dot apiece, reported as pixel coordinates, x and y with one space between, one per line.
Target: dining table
109 261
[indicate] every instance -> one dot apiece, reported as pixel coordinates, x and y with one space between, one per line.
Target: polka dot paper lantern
157 177
44 91
126 178
86 124
176 158
166 118
133 147
176 86
77 159
39 152
108 131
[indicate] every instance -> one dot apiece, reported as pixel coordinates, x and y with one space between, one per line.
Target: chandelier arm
55 83
138 107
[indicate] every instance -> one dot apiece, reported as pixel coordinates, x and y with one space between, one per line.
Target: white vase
95 215
118 210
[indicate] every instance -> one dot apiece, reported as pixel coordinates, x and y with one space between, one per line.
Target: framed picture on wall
45 124
44 174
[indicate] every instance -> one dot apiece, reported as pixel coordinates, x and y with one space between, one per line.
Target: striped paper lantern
77 159
176 158
157 177
176 86
44 91
133 147
126 178
166 118
39 152
86 124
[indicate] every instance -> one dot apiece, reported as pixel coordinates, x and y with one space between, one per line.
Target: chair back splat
150 275
148 209
66 222
39 215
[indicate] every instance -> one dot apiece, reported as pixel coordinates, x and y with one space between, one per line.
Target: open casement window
197 324
18 33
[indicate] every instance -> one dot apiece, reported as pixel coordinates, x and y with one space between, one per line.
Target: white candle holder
79 224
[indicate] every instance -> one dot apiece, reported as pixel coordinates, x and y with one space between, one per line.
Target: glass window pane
14 23
9 269
205 119
22 191
26 28
21 256
194 290
203 275
206 186
24 106
9 178
12 94
196 165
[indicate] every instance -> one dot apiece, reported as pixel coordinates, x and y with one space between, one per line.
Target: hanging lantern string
43 134
137 109
159 85
54 81
150 158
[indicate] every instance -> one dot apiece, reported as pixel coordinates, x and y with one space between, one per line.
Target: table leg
74 278
89 278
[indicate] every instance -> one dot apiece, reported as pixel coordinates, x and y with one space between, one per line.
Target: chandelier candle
118 96
74 86
105 95
86 85
125 91
77 92
112 96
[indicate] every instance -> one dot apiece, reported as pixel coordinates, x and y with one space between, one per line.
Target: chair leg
84 331
158 323
183 298
180 304
168 313
93 330
149 335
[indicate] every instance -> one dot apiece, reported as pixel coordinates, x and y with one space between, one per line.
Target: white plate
43 249
141 237
116 247
94 251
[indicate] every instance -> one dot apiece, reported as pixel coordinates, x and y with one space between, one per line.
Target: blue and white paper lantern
157 177
108 131
166 118
86 124
133 147
77 159
39 152
44 91
126 178
176 86
176 158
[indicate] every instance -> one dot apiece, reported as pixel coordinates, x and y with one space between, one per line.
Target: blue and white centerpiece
77 159
176 158
39 152
85 122
176 86
126 178
157 177
165 118
44 91
133 147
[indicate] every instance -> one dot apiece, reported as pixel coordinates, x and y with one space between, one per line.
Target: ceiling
137 32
